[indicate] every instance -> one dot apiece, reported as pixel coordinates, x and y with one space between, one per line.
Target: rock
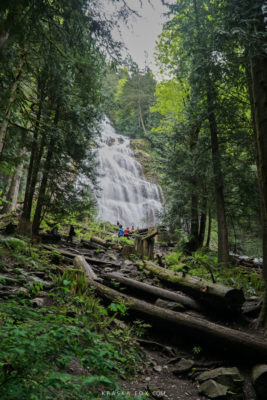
259 379
170 305
128 263
183 366
125 270
108 269
112 257
157 368
226 376
230 378
38 301
213 389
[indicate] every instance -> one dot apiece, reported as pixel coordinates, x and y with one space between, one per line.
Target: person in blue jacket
120 234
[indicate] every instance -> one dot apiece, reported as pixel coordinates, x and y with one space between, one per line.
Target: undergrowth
205 264
70 350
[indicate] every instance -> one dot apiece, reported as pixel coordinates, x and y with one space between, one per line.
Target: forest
79 312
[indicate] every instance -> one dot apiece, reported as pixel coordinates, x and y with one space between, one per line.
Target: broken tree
144 245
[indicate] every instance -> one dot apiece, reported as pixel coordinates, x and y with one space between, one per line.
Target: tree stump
144 243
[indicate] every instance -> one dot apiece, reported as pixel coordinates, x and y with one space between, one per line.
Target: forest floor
158 377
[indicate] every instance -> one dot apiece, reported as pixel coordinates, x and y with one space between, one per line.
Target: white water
126 195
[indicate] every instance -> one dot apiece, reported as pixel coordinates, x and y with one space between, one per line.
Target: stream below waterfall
125 196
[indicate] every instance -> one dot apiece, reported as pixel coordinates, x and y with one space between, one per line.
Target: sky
140 33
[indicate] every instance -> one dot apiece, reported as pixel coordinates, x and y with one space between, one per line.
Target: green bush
15 244
37 348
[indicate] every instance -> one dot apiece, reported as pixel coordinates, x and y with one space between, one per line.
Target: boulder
226 376
221 380
213 389
183 366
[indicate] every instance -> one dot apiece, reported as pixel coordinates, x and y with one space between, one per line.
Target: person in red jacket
126 232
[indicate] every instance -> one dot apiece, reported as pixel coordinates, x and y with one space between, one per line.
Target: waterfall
126 196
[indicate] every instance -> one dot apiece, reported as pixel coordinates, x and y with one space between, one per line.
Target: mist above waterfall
126 196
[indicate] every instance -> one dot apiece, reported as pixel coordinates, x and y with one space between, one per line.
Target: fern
15 244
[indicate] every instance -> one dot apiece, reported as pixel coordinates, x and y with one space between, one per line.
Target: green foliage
173 258
15 244
125 240
132 93
37 348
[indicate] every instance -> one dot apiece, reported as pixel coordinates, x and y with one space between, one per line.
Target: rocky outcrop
142 152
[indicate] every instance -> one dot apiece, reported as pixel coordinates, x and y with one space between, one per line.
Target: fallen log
154 292
213 294
259 380
222 338
90 260
81 263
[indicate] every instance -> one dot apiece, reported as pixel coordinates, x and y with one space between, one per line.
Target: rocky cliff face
142 152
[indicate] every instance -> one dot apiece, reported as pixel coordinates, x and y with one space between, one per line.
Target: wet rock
170 305
213 389
229 378
183 366
39 302
226 376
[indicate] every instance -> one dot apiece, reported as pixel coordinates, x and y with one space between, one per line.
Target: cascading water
126 195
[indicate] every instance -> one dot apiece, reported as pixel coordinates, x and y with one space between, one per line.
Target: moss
142 152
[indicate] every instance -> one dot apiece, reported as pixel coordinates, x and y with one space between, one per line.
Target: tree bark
24 226
213 294
43 186
223 248
81 263
258 66
154 292
209 231
12 195
218 336
11 100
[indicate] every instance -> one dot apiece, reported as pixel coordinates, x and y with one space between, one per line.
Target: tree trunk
24 226
202 228
193 243
209 231
3 38
213 294
81 263
223 249
153 292
258 66
218 336
11 100
141 118
12 195
43 186
203 219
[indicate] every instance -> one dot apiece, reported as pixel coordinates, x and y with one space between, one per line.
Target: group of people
126 233
122 232
54 232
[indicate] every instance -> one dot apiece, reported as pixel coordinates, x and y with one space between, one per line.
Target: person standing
120 233
71 234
